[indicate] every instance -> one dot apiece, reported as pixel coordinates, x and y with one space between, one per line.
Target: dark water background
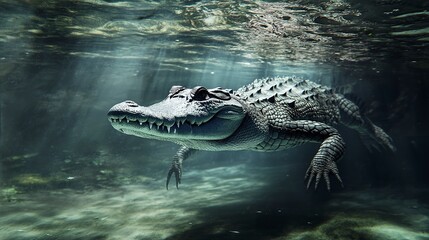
65 173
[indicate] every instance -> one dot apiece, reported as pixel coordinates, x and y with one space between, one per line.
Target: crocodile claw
316 171
176 168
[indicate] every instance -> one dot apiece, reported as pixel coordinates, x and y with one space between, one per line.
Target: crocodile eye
200 94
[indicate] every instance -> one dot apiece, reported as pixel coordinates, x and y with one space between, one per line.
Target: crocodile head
196 114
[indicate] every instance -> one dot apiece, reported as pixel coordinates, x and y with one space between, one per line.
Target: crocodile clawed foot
316 171
176 168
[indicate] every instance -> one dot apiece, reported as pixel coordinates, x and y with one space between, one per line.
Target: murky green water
65 173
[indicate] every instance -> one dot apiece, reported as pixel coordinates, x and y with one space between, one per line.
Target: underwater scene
105 104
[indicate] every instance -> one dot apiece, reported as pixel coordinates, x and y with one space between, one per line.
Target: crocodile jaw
155 122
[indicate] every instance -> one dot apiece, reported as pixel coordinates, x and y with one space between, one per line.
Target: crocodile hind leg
176 166
372 136
330 151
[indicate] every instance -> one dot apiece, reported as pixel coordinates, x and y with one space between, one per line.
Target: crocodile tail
375 137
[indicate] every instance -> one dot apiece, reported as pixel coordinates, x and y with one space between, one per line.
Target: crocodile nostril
131 104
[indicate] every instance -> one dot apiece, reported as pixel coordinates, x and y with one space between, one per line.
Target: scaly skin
267 115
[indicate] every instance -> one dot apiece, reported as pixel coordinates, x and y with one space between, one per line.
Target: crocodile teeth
175 131
150 125
128 120
168 129
141 123
178 124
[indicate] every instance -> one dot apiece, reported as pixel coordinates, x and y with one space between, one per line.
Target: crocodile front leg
330 151
176 165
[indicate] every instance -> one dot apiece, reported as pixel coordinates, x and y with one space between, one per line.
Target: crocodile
269 114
